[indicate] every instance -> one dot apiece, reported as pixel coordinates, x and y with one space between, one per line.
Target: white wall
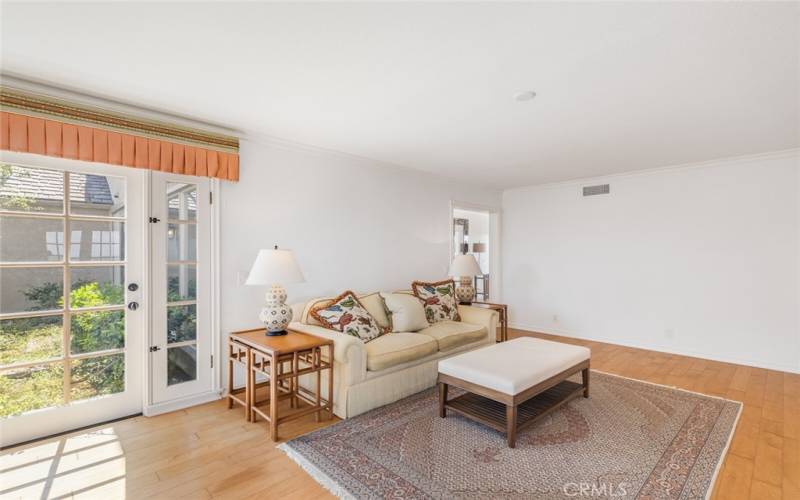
700 261
352 223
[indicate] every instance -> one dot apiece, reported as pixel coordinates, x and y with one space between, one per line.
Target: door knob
133 306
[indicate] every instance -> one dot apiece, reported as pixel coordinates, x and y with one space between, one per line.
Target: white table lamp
275 267
465 267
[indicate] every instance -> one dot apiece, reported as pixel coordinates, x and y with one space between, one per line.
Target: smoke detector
526 95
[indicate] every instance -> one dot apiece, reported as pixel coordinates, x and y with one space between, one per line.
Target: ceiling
621 86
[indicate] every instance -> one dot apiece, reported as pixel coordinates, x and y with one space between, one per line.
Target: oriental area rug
630 439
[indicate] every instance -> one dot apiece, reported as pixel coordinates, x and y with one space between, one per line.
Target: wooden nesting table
282 360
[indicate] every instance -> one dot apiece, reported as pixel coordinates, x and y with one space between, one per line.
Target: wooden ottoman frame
513 413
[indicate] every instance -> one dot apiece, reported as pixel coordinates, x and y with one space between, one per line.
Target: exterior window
105 245
55 245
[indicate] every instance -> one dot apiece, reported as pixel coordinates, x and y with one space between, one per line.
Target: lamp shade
274 266
465 265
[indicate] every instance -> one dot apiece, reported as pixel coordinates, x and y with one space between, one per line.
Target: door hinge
154 348
153 220
212 361
210 197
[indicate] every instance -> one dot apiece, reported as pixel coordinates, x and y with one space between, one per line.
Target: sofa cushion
397 348
373 302
346 314
439 298
452 334
406 312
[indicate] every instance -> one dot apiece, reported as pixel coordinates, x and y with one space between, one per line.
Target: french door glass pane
181 242
181 364
181 282
31 289
97 331
99 195
51 240
30 239
91 377
182 201
31 388
24 189
30 339
181 323
97 286
97 240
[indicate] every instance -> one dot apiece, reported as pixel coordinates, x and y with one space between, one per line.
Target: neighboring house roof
45 185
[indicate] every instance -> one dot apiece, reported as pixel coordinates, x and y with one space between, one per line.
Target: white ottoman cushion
513 366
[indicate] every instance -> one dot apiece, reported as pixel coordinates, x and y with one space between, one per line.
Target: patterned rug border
724 452
312 470
335 489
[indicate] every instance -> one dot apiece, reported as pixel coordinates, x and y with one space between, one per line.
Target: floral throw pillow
439 299
347 315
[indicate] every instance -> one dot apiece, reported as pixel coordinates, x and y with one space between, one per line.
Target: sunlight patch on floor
84 465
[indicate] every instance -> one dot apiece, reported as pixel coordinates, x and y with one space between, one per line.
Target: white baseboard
669 350
179 404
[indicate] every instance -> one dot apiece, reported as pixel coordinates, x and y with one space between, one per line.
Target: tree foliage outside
181 320
33 339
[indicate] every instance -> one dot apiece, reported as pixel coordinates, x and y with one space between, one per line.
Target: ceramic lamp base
465 291
276 315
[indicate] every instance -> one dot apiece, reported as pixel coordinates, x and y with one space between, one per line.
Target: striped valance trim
41 106
31 134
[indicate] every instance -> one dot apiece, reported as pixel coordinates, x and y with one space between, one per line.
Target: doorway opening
474 232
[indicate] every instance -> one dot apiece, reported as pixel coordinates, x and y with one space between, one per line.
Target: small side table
283 360
503 310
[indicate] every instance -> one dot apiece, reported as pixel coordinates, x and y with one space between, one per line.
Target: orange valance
29 134
33 123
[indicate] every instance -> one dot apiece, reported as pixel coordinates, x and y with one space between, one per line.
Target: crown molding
718 162
110 104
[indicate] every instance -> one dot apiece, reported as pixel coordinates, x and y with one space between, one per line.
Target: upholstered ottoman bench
512 384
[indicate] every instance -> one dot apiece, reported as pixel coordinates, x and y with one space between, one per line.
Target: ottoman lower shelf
493 413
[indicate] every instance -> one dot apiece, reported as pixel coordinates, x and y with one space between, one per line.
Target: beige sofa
394 365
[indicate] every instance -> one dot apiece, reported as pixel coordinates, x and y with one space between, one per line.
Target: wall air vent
598 189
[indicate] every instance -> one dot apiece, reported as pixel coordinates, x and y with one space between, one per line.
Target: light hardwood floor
210 452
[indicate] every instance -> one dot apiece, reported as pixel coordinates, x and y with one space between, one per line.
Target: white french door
72 308
181 250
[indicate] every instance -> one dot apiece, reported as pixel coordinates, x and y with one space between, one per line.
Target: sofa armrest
488 318
348 351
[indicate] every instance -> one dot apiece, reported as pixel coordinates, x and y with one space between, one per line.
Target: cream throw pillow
373 303
407 312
